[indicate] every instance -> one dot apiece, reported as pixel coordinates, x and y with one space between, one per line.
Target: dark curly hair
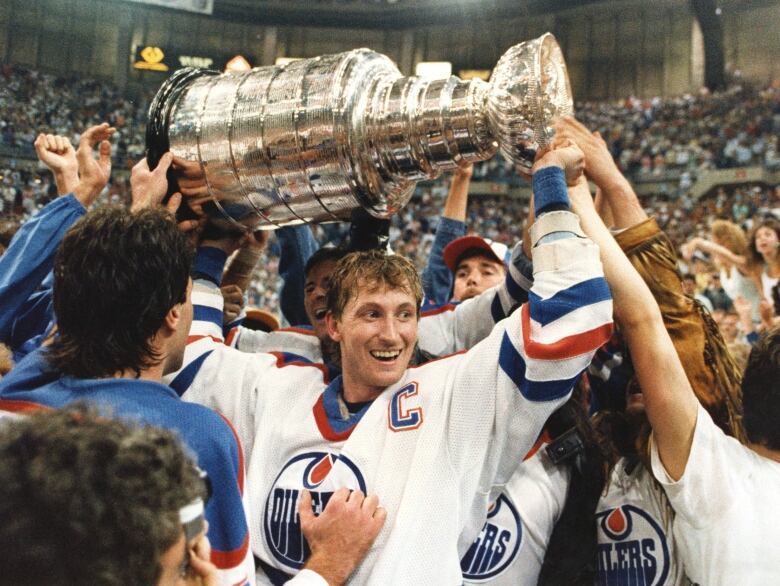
86 499
761 391
116 276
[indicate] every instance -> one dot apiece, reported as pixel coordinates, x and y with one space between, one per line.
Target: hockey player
436 442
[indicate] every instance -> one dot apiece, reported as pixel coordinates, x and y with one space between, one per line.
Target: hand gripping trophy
317 138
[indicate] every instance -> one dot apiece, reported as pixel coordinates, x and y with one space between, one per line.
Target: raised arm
297 244
600 168
59 156
669 400
710 247
511 382
30 256
437 277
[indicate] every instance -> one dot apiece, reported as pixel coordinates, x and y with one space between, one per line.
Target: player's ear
173 317
334 326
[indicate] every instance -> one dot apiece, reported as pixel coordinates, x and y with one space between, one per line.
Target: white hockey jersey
442 329
511 546
636 543
437 447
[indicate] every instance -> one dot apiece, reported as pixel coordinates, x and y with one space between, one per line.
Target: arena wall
614 48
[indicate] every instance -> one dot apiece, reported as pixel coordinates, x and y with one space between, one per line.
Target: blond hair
731 236
360 270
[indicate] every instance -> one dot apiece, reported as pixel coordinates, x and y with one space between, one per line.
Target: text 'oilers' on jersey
437 447
634 528
510 548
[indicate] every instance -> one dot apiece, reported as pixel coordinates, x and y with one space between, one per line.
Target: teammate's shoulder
432 309
300 330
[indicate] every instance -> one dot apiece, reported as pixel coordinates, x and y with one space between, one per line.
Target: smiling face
377 332
314 295
474 275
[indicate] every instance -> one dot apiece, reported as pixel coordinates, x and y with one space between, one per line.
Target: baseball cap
495 251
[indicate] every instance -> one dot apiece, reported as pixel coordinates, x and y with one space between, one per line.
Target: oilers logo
307 471
497 545
632 548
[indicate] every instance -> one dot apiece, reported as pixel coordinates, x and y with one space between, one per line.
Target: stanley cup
317 138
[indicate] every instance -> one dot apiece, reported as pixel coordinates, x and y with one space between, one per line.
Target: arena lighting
238 63
433 69
483 74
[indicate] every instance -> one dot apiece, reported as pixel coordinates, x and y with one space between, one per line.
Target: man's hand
600 167
743 307
342 534
148 188
202 571
566 155
192 181
464 170
255 241
766 310
93 173
59 156
233 297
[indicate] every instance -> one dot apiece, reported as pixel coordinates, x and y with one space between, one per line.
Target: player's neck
767 453
355 392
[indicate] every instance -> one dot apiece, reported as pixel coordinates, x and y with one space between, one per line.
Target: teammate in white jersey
725 495
443 329
436 443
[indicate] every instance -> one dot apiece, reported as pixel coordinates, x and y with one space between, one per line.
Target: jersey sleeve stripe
232 558
184 379
212 315
16 406
231 337
240 448
496 309
581 319
434 310
568 347
516 291
298 330
512 363
545 311
289 359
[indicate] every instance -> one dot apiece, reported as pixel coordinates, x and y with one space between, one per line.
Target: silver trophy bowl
317 138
